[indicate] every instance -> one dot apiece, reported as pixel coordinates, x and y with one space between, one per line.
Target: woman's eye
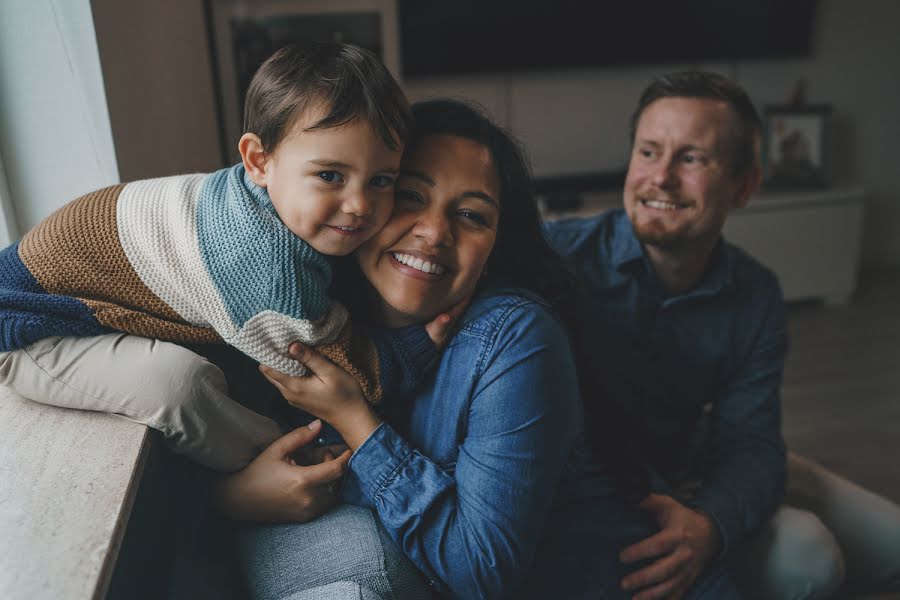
474 217
408 196
382 181
330 176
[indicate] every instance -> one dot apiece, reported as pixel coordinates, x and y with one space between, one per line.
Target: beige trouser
158 384
829 532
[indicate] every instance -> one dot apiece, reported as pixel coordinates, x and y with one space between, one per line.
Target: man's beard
655 233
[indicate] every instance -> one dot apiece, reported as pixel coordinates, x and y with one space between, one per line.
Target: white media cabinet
810 239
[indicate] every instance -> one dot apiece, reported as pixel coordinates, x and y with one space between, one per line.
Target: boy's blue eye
330 176
382 181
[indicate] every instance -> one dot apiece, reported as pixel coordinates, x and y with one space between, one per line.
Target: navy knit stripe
28 313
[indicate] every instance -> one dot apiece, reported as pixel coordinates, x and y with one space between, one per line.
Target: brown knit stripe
359 357
76 252
147 325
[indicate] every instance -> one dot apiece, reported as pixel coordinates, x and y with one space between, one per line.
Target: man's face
680 184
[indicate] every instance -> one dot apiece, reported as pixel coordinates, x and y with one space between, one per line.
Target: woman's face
434 247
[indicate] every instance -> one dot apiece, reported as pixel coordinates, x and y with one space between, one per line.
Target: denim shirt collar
626 249
626 252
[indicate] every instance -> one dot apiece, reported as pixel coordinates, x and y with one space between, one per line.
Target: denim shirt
465 480
697 373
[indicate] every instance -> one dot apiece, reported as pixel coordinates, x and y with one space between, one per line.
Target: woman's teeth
419 264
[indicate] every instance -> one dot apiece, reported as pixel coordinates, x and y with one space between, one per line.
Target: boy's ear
254 158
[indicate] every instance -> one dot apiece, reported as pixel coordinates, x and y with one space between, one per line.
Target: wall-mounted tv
444 37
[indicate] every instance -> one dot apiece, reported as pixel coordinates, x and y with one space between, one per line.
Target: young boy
238 256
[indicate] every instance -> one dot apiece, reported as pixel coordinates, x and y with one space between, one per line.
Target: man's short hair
747 131
342 79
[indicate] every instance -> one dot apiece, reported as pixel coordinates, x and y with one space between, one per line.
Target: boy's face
334 187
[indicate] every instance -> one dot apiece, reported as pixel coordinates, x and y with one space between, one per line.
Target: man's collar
719 275
717 278
626 249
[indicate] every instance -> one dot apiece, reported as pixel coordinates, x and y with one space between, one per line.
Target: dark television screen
445 37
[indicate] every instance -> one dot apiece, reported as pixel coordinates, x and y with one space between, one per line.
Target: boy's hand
439 329
329 392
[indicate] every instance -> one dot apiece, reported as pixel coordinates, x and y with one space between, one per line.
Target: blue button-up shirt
696 373
465 477
482 478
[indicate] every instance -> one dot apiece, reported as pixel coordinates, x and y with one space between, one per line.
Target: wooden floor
841 392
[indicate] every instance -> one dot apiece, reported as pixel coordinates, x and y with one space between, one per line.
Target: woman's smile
434 248
417 266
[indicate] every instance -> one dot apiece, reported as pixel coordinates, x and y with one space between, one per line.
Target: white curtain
55 137
8 230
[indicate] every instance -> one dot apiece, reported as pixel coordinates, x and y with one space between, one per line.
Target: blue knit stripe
28 313
252 258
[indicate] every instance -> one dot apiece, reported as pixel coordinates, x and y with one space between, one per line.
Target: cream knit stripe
157 226
266 336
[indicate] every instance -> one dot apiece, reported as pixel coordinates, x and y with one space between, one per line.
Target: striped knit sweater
189 259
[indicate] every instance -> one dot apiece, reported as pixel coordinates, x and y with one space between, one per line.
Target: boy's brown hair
347 80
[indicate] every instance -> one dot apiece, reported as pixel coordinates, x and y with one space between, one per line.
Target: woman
464 476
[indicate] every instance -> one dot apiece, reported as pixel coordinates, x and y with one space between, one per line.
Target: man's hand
687 541
275 488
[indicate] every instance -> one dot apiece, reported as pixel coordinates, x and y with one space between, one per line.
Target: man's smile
657 204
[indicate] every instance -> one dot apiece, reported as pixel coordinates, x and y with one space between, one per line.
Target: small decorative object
795 146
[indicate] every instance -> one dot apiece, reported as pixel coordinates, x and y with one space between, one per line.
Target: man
691 334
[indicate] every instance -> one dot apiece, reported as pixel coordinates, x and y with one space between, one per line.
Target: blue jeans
344 554
347 555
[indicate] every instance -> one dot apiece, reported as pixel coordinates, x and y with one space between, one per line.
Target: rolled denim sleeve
473 527
745 480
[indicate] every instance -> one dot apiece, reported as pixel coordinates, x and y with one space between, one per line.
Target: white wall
576 121
55 139
9 232
156 66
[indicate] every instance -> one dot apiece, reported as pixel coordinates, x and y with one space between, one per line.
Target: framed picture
244 33
795 151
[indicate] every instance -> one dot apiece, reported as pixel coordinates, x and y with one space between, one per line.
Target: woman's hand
328 392
275 489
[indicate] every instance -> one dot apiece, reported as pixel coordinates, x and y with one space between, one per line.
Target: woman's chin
400 311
